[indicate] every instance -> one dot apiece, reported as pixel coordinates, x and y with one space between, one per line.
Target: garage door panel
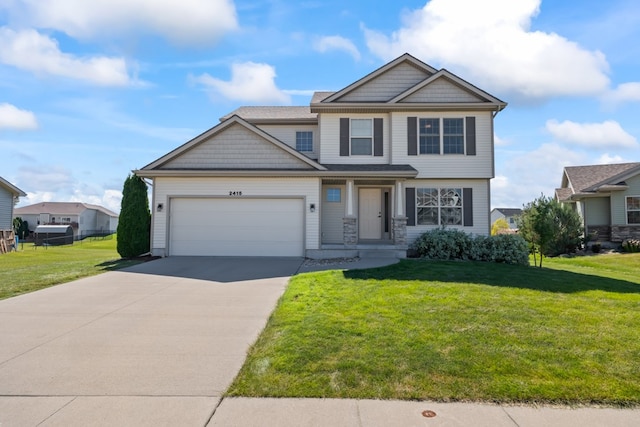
236 227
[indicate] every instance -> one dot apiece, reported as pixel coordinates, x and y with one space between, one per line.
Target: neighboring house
509 214
403 150
85 219
607 197
9 195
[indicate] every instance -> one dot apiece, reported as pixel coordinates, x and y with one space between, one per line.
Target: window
304 141
633 210
333 195
429 136
439 206
361 137
433 141
453 136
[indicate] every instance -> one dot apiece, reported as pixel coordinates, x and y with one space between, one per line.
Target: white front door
370 213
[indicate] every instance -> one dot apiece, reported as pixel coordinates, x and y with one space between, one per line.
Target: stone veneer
399 224
350 230
619 233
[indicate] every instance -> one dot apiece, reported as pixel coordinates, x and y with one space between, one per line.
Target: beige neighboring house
9 196
607 197
85 219
509 214
366 169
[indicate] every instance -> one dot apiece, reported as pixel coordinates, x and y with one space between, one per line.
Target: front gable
441 90
234 145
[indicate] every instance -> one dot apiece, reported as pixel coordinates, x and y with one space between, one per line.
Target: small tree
21 228
499 226
134 225
550 227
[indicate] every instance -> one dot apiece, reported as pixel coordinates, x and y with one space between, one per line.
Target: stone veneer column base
350 230
399 224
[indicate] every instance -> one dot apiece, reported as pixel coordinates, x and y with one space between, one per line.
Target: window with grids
361 137
441 136
453 136
333 195
429 131
304 141
633 210
439 206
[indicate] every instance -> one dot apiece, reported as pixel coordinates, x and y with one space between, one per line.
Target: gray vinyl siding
332 214
479 165
287 134
6 209
442 90
597 211
236 147
619 201
388 85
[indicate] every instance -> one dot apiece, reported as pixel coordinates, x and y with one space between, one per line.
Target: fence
96 234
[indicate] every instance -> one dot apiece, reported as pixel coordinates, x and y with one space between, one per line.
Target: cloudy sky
90 90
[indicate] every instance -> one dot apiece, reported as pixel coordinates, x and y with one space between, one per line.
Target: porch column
399 221
349 222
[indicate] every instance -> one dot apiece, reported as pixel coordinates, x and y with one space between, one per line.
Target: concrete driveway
155 344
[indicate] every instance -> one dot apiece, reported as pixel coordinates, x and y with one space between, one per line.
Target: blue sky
91 90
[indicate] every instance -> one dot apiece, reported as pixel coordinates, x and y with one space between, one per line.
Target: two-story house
403 150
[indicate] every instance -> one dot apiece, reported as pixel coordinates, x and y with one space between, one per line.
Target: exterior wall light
160 207
312 207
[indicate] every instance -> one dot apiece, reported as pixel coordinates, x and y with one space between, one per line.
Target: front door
370 213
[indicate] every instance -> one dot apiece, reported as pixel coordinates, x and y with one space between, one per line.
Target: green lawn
33 268
455 331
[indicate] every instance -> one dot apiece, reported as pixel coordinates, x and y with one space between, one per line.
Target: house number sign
235 193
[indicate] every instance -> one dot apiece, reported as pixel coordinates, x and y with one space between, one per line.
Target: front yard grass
456 331
33 268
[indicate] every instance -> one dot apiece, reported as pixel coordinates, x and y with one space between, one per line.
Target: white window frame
627 210
299 133
439 207
442 136
361 137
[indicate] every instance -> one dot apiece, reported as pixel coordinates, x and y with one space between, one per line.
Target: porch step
382 253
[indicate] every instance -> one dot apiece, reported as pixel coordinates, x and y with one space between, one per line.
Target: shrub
631 245
134 226
443 244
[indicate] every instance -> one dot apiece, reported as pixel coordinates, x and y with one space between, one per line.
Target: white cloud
499 142
11 117
625 92
531 174
491 43
184 22
331 43
250 82
592 135
606 159
39 54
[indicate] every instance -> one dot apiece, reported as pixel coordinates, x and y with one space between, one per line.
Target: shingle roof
319 96
563 194
509 211
251 113
369 168
584 178
60 208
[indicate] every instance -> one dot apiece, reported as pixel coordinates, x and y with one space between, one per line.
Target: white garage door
236 227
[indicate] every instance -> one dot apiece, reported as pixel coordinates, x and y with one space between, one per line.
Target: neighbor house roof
509 211
61 208
12 188
591 179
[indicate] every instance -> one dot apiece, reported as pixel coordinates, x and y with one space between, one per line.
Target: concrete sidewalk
247 412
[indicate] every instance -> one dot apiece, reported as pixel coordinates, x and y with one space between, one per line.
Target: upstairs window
361 137
633 210
441 136
439 206
304 141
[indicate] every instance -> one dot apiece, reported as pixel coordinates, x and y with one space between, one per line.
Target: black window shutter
377 137
410 198
412 136
467 203
344 136
471 136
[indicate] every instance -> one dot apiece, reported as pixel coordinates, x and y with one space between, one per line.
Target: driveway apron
155 344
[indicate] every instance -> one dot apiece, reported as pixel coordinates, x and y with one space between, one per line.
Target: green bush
444 244
631 245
